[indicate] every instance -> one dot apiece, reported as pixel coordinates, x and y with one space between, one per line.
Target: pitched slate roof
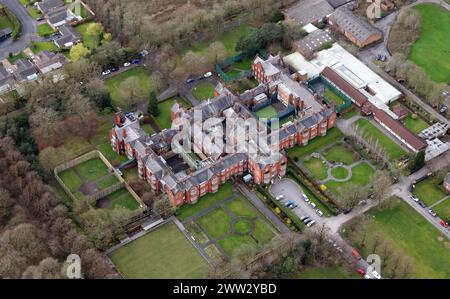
349 22
50 5
308 11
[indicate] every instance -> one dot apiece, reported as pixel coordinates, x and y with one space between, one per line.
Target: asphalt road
28 30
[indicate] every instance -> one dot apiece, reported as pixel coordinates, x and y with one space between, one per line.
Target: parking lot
292 192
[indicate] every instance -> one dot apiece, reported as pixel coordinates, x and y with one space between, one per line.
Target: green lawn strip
5 22
393 149
263 232
162 253
361 175
45 30
317 167
233 242
197 232
203 91
214 253
107 182
412 235
148 129
70 179
163 119
216 223
431 50
340 153
206 201
14 58
349 114
267 112
38 47
88 40
443 210
92 170
243 226
429 191
34 12
113 83
333 97
123 198
239 208
316 144
339 172
112 156
415 125
327 273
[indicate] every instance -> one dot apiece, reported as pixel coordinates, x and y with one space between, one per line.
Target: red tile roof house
396 128
205 176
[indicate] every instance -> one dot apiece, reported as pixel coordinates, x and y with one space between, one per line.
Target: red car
444 224
356 254
361 272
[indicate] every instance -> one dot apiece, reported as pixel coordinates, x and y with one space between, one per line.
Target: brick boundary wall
100 194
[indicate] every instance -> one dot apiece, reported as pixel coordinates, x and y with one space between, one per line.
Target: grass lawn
108 182
123 198
242 66
340 153
216 223
410 235
92 170
431 50
163 119
267 112
339 172
114 158
45 30
88 40
204 202
203 91
229 39
83 12
350 113
361 175
14 59
443 210
114 82
317 167
327 273
239 208
5 22
34 12
71 179
316 144
393 149
429 191
162 253
43 46
415 125
333 97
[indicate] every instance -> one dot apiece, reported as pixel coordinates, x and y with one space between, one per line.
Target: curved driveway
28 30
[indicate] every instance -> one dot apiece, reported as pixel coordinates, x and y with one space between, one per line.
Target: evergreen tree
417 162
153 105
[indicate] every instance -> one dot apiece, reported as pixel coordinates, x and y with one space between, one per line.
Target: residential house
25 71
50 6
6 79
47 61
68 38
357 30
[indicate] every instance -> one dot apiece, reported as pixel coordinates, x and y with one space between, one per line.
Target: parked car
356 254
114 69
107 72
361 272
288 204
127 64
443 110
319 212
306 220
135 61
190 80
311 223
41 18
312 204
303 218
279 197
432 213
376 274
414 198
422 204
207 75
443 223
305 198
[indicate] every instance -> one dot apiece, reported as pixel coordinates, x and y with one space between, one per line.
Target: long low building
379 92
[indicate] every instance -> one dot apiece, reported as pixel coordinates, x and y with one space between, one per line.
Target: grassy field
216 222
88 40
429 191
38 47
393 149
209 199
415 124
45 30
113 83
123 198
317 167
431 51
327 273
411 236
339 172
316 144
163 119
333 97
361 175
162 253
340 153
5 22
34 12
203 91
267 112
443 210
